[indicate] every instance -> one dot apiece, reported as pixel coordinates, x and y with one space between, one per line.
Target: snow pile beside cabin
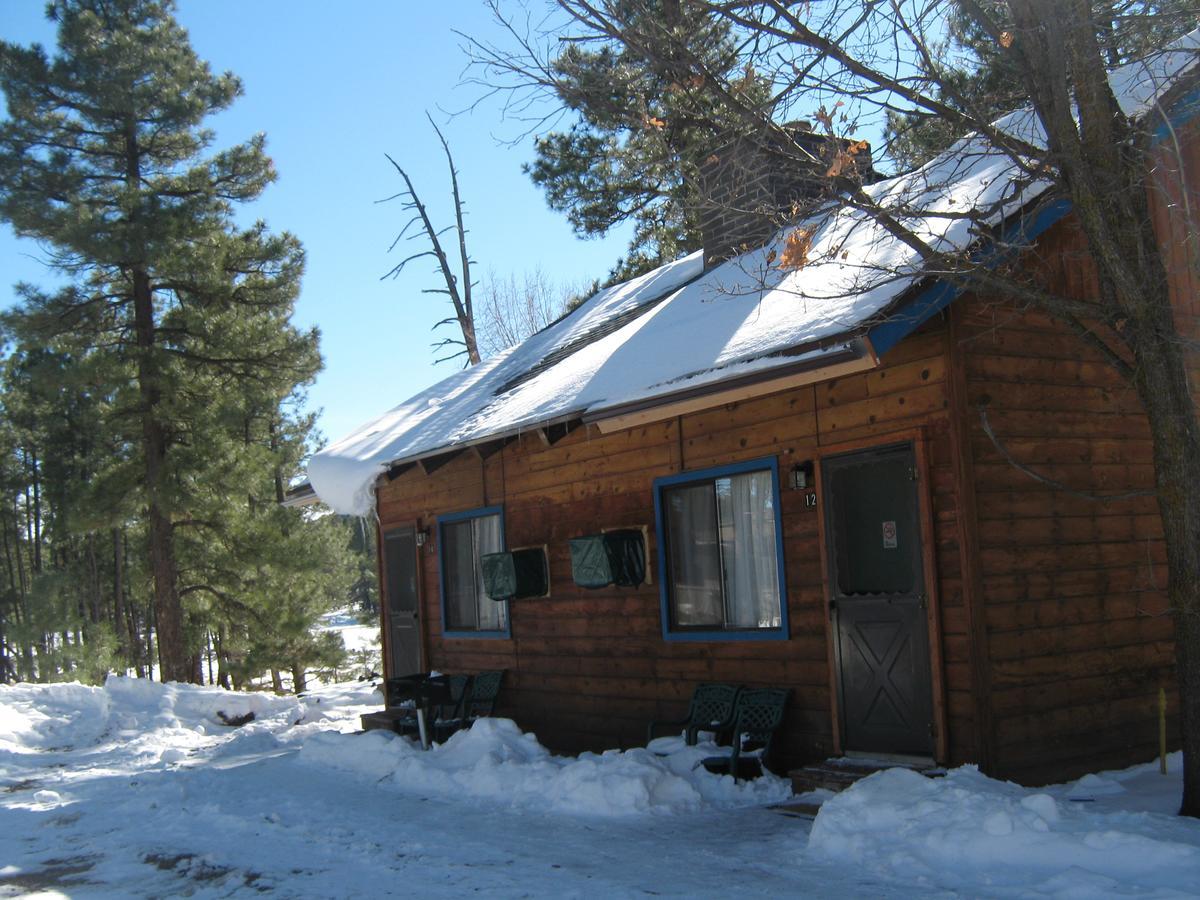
743 317
970 833
149 724
495 762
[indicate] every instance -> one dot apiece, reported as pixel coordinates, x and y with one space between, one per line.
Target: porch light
802 475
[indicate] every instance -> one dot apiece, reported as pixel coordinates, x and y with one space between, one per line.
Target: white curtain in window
486 531
746 507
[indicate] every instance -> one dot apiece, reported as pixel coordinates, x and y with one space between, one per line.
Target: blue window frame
720 552
463 538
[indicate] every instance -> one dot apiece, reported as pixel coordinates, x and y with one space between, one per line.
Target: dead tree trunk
458 285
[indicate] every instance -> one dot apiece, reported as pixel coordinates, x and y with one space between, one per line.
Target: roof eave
856 356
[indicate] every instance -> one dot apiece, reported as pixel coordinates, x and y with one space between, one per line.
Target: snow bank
495 761
965 830
45 717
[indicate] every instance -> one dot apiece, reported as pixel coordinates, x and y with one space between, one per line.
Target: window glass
695 556
722 553
874 528
468 607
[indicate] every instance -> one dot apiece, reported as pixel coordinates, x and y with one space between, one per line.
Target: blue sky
335 86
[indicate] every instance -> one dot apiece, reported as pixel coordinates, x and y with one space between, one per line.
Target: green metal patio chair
438 713
759 715
712 709
478 702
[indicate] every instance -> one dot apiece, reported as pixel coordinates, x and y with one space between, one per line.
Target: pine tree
643 123
104 157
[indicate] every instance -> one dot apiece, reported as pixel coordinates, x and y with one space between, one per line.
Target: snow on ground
137 789
356 637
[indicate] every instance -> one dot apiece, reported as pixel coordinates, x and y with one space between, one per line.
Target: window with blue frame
720 552
464 538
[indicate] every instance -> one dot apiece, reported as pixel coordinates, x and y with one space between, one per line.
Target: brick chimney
749 186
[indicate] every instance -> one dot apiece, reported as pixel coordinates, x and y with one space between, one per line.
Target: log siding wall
589 669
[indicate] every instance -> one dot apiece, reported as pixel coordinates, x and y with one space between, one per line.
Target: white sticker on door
889 535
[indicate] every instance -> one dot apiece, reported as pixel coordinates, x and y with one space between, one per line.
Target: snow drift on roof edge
728 322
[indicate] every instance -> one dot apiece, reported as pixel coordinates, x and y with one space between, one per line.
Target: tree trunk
299 679
8 555
95 613
28 516
8 671
37 513
222 660
276 682
120 620
173 659
151 647
208 655
1162 384
22 581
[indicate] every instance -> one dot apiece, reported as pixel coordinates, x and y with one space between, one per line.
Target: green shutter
589 562
615 557
515 575
499 575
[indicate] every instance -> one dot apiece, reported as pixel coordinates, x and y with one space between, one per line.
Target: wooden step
384 719
797 810
839 773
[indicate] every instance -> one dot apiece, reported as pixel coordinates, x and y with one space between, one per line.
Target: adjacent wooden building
886 514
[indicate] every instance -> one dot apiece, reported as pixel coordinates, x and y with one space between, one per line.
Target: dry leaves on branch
845 158
796 247
825 116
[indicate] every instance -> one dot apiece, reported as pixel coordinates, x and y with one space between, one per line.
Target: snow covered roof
680 329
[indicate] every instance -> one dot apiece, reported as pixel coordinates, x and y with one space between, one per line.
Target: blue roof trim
1183 109
902 322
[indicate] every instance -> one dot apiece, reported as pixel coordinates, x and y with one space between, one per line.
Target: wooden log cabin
864 487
